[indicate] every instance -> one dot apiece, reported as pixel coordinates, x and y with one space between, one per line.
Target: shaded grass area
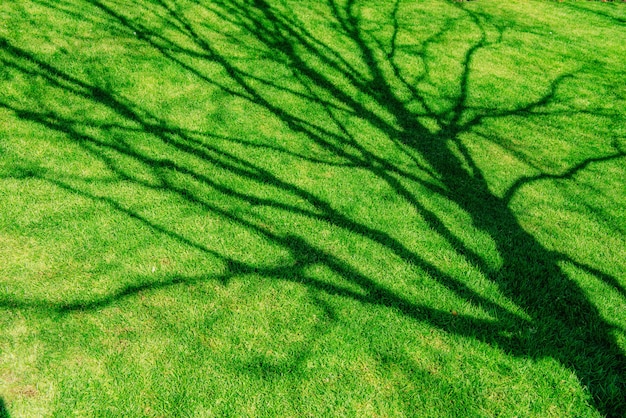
346 208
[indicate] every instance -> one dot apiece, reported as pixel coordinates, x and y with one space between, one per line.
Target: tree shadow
370 86
607 12
4 412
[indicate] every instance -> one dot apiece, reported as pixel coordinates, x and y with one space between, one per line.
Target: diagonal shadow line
601 214
304 254
566 175
381 168
350 25
391 59
322 81
294 122
369 160
332 216
490 331
328 214
600 13
397 106
606 278
525 110
450 282
285 26
169 49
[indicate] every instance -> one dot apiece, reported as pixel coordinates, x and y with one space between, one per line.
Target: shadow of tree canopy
345 88
3 410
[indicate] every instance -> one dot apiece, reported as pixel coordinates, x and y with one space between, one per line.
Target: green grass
312 208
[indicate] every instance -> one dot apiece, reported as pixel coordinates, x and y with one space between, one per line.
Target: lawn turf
312 208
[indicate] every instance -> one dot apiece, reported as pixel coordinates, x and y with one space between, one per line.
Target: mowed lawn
359 208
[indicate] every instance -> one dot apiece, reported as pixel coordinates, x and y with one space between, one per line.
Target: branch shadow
4 412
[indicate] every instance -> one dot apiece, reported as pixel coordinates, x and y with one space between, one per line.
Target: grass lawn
312 208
